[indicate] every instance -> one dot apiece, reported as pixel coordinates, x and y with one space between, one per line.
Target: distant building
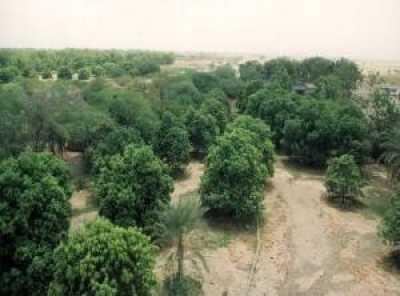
303 88
392 91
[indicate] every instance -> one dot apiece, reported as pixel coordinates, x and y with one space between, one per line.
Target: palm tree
391 156
176 222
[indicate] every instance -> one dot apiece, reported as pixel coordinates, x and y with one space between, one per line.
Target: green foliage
261 137
391 154
173 144
136 112
181 95
389 229
34 218
343 179
177 221
311 69
205 82
329 87
274 106
132 187
218 110
84 74
203 130
114 142
234 180
103 259
324 129
8 74
384 115
348 72
251 70
64 73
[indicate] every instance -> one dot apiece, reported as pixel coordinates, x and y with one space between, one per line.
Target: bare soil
306 247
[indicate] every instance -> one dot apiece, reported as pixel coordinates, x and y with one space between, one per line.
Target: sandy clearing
190 182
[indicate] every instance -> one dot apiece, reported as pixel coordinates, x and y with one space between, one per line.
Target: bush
132 187
34 218
343 179
103 259
234 180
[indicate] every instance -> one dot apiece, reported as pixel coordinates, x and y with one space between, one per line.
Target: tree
391 154
330 87
389 229
348 72
177 221
104 259
311 69
65 73
172 143
34 218
274 106
84 74
132 187
218 110
8 74
205 82
251 70
343 178
261 137
203 130
234 180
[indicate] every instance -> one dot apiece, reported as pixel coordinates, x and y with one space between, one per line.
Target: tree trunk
180 256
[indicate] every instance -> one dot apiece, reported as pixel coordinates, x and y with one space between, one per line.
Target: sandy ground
306 247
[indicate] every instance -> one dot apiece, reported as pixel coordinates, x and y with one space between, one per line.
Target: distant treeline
28 63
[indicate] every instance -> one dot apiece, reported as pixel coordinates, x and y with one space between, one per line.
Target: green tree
251 70
203 130
172 143
132 187
34 218
234 180
330 87
205 82
311 69
389 229
348 72
261 137
218 110
8 74
343 179
104 259
65 73
84 74
391 154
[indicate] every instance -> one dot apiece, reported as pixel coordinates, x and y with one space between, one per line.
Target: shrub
103 259
234 180
34 218
132 187
343 179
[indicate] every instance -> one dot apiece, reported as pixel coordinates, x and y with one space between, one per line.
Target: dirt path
190 183
310 248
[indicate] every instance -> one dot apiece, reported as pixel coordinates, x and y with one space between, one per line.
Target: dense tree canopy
132 187
34 218
234 180
104 259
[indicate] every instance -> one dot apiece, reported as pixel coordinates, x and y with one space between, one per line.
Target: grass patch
376 200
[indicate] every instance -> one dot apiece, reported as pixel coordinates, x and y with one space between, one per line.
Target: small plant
343 179
389 229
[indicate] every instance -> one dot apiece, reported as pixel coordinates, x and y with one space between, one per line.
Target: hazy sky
353 28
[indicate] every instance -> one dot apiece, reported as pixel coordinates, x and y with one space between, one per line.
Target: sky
333 28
